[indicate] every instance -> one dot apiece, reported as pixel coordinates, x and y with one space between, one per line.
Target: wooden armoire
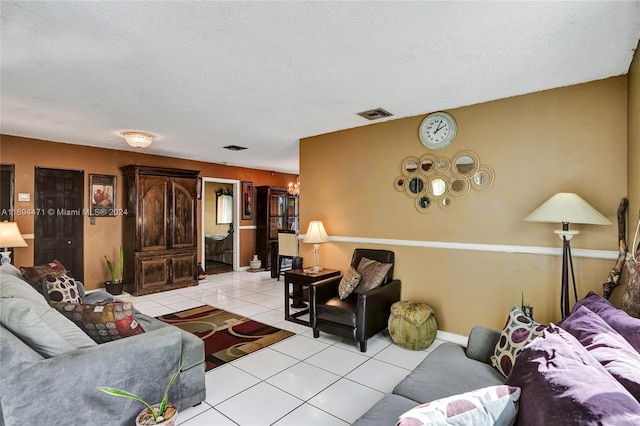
159 234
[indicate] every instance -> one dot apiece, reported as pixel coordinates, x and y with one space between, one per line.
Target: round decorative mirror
442 164
483 178
460 187
466 164
415 185
438 186
423 204
398 183
447 203
427 164
410 166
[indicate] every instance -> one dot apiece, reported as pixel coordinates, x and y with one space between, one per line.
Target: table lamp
10 237
316 235
567 208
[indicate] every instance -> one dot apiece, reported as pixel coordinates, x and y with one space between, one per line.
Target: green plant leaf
125 394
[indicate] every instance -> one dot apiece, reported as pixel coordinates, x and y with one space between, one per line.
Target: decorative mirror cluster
432 180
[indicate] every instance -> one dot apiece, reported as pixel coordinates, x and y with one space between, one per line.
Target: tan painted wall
572 139
211 208
105 236
633 159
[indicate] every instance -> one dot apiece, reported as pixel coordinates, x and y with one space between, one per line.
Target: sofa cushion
9 269
348 282
562 384
610 349
386 411
61 288
447 371
102 322
493 405
517 333
372 274
13 286
41 327
627 326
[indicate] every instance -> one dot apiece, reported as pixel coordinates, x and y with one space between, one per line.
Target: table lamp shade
316 233
10 235
565 207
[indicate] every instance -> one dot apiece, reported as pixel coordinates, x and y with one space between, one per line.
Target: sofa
50 368
584 370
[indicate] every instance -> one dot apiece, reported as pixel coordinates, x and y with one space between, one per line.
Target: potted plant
162 414
115 285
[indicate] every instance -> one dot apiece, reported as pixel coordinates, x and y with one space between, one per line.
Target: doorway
220 237
59 228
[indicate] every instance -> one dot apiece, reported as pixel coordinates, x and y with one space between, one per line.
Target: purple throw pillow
626 325
562 384
610 349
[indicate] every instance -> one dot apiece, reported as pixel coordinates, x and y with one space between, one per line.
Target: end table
299 280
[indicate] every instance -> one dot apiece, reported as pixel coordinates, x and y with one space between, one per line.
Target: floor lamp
567 208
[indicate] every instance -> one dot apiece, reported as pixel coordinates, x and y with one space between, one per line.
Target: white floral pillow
493 405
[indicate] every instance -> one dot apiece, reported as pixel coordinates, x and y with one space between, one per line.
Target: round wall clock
438 130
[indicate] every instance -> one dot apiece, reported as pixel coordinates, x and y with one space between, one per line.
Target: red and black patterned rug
227 336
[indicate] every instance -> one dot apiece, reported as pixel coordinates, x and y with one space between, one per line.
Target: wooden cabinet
160 229
275 210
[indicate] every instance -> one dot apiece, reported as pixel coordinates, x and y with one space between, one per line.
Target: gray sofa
449 370
61 389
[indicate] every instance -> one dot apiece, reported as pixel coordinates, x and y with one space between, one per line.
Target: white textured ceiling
202 75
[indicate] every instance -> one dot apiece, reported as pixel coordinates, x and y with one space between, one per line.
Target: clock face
438 130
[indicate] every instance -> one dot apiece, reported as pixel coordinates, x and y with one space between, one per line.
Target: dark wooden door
183 213
59 224
154 196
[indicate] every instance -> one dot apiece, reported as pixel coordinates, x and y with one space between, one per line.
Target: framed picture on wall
247 200
102 195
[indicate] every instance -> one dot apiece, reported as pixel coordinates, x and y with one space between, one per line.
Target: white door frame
236 218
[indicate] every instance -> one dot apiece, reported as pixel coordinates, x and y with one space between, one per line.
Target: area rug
227 336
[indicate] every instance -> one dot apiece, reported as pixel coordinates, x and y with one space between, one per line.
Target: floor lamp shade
566 208
10 236
316 235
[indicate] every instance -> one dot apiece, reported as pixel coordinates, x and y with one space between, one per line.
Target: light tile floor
299 381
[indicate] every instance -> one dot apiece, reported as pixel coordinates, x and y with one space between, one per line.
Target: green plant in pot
164 413
116 270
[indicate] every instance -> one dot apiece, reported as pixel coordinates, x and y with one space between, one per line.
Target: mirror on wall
440 181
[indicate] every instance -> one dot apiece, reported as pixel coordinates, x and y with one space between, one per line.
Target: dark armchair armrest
319 293
374 306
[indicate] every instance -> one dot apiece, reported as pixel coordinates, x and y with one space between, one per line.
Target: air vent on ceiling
374 114
234 147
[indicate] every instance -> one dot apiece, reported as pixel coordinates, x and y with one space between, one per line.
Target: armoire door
183 213
154 198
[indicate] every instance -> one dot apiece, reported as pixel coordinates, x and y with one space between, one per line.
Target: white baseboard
453 338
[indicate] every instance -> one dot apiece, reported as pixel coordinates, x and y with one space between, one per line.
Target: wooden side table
299 280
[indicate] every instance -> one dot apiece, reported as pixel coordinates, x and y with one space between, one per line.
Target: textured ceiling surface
263 75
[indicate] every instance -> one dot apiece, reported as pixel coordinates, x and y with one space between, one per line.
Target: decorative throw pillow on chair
348 283
102 322
372 274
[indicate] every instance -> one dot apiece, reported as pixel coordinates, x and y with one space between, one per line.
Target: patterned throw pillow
102 322
61 288
518 332
34 275
493 405
372 274
348 282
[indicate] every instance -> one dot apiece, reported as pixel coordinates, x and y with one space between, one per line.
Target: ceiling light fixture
138 139
294 188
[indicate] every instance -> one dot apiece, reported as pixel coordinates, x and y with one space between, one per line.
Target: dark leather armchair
359 316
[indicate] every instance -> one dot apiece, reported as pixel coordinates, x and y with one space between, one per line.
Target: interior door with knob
59 218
